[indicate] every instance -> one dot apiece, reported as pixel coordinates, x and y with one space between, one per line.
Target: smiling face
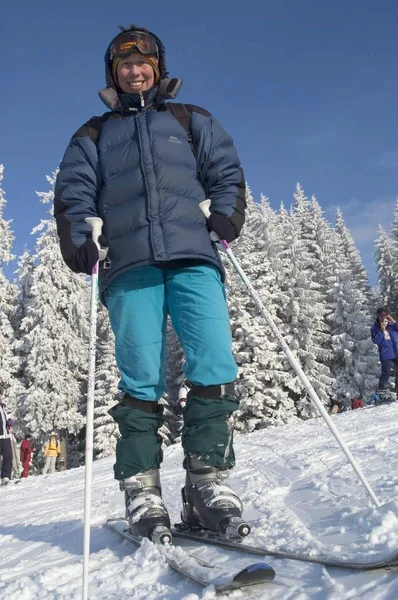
135 74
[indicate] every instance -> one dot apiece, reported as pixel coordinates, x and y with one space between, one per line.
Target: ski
223 578
204 537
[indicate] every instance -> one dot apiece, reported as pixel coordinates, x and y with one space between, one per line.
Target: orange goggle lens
130 42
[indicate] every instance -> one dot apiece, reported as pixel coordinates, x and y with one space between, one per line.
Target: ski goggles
133 41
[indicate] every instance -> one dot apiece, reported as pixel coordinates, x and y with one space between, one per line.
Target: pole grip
205 208
96 230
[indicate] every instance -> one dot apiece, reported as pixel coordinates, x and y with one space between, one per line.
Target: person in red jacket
356 403
26 455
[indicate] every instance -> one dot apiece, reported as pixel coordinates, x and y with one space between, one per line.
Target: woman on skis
145 173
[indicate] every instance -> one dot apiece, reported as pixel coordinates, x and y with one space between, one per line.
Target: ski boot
209 503
5 481
146 513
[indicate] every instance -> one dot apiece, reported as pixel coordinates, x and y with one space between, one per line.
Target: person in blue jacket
140 170
385 334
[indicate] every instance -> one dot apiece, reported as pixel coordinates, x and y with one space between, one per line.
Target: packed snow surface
299 493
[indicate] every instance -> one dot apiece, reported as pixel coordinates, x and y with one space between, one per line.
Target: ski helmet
143 42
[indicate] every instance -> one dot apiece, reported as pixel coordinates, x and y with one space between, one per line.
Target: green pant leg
140 447
208 430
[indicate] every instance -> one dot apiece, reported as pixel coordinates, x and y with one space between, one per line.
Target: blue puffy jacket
388 349
142 178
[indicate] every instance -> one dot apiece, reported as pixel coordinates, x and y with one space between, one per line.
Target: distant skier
5 445
26 452
52 450
144 168
340 404
356 403
16 465
385 334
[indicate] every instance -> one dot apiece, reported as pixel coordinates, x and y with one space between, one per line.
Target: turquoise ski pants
139 301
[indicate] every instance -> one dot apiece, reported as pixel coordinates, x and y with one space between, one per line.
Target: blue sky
308 89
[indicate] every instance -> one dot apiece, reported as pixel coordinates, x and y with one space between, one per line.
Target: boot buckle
130 485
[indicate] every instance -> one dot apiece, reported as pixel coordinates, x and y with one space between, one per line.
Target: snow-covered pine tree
393 301
53 337
9 384
304 312
24 284
260 387
106 390
394 225
354 358
24 272
351 252
386 263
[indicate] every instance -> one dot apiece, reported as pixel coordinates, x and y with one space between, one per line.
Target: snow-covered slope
299 493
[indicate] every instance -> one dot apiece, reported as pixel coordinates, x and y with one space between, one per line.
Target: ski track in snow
298 490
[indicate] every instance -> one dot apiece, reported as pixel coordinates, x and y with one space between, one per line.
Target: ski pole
96 225
205 207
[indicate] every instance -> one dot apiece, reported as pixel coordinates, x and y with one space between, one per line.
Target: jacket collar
125 103
119 101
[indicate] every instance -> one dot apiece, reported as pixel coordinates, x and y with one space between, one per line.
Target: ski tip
253 574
